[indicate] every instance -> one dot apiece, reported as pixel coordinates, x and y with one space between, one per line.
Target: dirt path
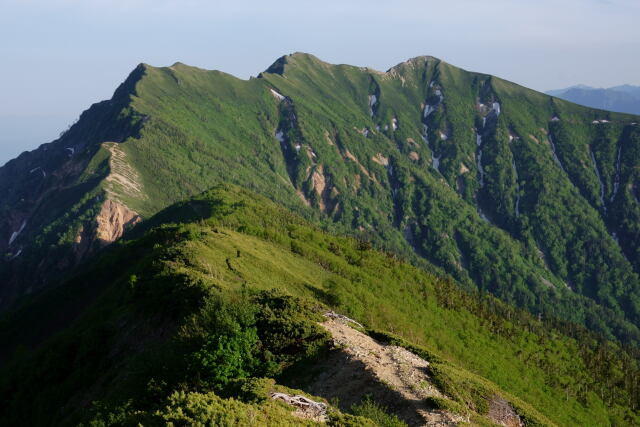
123 179
391 375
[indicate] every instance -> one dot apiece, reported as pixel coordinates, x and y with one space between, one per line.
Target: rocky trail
393 376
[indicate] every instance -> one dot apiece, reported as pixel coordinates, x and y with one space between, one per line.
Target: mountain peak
128 87
297 57
416 61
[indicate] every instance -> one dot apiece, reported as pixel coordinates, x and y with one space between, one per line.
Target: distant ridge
622 99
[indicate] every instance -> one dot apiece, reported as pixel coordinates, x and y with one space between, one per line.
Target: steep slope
176 324
526 196
53 207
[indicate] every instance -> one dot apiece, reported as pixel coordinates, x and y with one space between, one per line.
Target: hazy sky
59 56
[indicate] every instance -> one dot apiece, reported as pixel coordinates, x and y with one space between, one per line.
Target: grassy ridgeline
195 308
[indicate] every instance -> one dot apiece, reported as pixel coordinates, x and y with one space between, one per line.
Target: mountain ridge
623 98
385 156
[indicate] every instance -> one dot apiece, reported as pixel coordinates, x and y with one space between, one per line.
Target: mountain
558 92
632 90
220 304
500 188
625 98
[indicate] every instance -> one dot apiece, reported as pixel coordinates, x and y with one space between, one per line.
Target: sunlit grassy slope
146 309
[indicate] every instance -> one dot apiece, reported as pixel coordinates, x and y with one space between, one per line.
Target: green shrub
225 357
254 390
369 408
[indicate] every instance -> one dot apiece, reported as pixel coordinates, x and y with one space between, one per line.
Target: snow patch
72 150
595 165
394 123
425 134
479 159
480 169
496 108
428 109
44 174
439 95
297 147
277 95
555 156
16 255
280 136
616 182
15 234
443 136
515 171
372 102
435 161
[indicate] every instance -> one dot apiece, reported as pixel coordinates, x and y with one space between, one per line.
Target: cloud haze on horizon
59 56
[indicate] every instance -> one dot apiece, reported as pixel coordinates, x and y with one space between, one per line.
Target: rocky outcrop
360 366
112 221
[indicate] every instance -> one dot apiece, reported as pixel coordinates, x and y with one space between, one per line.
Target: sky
57 57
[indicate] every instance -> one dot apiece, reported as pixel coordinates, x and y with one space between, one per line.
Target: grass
233 242
184 129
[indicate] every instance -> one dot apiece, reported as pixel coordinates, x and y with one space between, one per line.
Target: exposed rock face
361 366
114 217
380 159
501 412
318 179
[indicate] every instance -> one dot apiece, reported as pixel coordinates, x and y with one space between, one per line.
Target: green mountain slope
507 190
170 324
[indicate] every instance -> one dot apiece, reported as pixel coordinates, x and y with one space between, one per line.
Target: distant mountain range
622 99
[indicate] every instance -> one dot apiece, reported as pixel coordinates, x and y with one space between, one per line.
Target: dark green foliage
225 357
288 329
252 336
